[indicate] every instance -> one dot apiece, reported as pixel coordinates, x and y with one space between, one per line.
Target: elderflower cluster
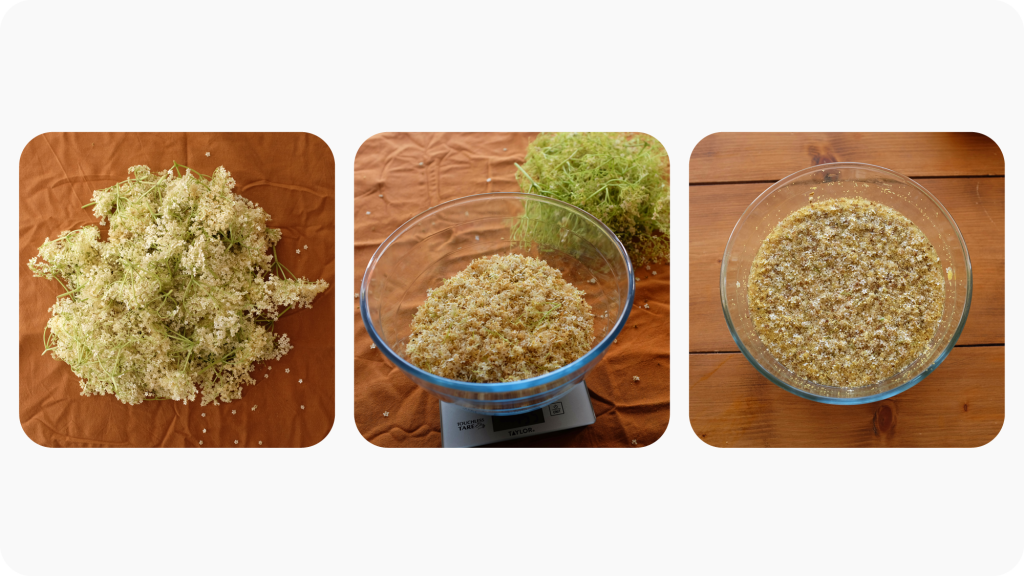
181 297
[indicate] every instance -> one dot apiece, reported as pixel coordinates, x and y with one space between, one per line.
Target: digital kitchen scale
461 428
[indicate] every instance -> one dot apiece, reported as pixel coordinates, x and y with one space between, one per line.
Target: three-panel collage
511 290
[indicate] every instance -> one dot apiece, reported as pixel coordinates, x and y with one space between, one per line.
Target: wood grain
961 404
976 204
958 405
761 157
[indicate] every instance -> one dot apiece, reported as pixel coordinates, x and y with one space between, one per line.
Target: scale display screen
462 428
502 423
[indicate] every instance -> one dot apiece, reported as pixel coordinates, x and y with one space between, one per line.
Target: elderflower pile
846 292
502 319
181 297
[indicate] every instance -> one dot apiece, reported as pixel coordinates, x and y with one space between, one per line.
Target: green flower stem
498 335
622 179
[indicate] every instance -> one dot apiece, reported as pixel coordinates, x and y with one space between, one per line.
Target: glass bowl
442 241
828 181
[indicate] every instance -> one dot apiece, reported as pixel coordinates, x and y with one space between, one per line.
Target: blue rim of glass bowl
881 395
495 387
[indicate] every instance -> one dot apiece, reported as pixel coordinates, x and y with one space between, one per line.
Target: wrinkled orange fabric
398 176
292 177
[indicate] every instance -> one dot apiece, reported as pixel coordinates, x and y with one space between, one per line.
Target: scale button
556 409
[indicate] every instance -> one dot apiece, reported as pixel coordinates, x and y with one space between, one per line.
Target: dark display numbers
502 423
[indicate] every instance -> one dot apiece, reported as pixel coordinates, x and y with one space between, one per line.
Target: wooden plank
749 157
961 404
977 206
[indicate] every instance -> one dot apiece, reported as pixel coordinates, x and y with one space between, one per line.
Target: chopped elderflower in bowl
434 247
831 283
508 318
182 296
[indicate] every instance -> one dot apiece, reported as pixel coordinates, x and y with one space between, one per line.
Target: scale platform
461 428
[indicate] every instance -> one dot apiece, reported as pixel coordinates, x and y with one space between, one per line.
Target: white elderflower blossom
180 299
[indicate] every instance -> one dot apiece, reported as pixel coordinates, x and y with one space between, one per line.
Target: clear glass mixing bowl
827 181
440 242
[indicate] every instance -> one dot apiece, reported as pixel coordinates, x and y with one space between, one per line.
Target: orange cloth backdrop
292 177
398 176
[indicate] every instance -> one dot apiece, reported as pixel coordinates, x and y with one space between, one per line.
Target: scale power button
556 409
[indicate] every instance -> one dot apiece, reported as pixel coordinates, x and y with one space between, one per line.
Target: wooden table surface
961 404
